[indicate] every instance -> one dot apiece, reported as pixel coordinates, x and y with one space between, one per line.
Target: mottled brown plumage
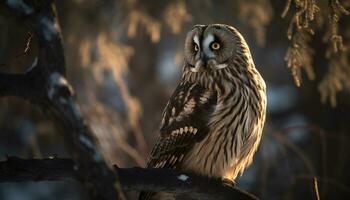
213 122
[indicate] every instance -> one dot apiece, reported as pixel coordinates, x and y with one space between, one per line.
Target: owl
213 122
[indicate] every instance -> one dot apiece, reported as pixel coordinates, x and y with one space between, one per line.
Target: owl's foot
228 182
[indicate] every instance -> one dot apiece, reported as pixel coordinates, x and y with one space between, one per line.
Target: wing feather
184 123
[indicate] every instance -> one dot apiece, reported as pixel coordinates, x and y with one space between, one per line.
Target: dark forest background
124 60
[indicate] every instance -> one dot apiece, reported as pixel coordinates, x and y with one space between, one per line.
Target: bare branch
166 180
19 170
45 85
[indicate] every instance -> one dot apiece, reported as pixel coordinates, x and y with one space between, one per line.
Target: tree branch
20 85
19 170
45 85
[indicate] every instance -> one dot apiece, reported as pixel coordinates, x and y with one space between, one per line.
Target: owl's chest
218 153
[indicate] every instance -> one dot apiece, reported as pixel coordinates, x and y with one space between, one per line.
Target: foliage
299 55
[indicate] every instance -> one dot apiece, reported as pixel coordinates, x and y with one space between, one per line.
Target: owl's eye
196 48
215 46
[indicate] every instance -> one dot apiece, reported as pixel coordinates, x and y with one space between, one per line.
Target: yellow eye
215 46
196 47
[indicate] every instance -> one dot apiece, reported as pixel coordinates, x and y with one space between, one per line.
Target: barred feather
213 122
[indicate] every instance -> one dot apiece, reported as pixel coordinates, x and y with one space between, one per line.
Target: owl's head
214 53
210 47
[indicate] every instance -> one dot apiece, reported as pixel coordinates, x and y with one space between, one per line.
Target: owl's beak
202 62
201 65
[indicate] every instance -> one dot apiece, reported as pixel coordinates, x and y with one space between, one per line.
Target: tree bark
157 180
45 85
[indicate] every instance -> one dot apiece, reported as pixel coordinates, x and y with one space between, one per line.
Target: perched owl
213 122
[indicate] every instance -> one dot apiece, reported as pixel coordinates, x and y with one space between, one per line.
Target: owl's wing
184 123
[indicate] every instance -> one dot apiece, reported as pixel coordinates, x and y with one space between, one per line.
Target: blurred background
124 60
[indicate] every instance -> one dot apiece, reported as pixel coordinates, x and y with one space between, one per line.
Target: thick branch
20 170
45 85
166 180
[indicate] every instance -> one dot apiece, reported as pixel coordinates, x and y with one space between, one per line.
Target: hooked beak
201 64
